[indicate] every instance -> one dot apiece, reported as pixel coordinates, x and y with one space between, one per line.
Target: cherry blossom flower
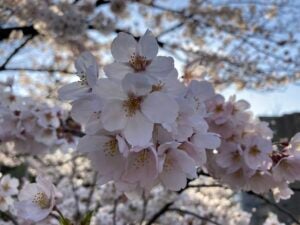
137 57
133 108
260 182
175 166
282 192
87 70
5 202
106 153
287 168
36 200
9 186
256 151
142 166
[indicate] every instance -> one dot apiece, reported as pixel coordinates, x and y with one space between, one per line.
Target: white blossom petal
113 116
160 108
147 45
72 91
123 47
117 70
138 131
109 89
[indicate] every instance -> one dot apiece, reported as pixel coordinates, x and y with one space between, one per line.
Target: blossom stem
59 212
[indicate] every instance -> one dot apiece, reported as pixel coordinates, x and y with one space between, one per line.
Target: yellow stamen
139 63
111 147
254 151
41 200
141 159
132 104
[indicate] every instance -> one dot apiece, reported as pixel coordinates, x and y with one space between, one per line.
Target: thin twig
93 187
159 213
115 211
183 211
144 212
276 206
205 185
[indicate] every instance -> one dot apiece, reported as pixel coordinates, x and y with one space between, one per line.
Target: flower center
157 87
236 157
254 151
168 164
48 116
132 104
218 108
111 147
2 200
139 63
6 187
141 159
41 200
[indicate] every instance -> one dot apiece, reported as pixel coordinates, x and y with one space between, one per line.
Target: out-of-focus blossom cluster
8 190
61 20
33 127
247 159
143 126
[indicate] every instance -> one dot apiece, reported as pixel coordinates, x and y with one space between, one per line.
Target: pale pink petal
136 84
123 47
92 74
90 143
117 70
206 140
85 60
123 147
113 116
72 91
142 167
27 210
147 45
201 89
173 180
185 162
109 166
109 89
160 108
138 130
161 66
242 105
83 109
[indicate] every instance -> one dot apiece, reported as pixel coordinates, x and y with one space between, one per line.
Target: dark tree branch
49 70
26 30
15 52
159 213
276 206
8 217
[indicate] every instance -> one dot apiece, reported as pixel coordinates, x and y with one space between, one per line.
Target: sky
280 101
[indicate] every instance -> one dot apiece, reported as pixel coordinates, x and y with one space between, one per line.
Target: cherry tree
134 140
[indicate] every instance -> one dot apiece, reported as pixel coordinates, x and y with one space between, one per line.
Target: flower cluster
143 126
8 189
36 200
34 128
246 158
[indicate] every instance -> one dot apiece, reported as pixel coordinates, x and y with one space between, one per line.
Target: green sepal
87 218
64 221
